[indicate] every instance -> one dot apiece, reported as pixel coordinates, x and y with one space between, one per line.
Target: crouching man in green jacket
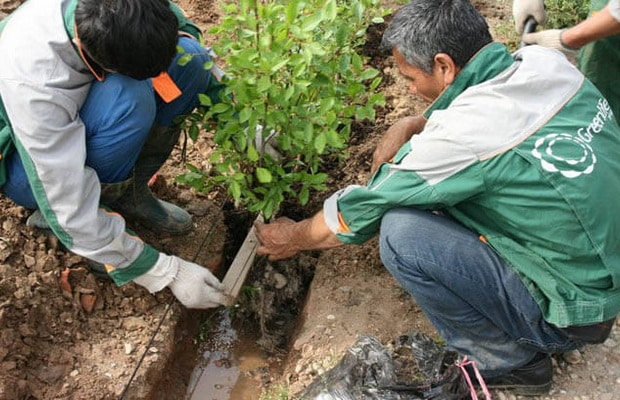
496 209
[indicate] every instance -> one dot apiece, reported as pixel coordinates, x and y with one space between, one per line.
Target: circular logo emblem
561 152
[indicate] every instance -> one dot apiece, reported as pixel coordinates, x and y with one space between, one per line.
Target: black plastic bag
416 369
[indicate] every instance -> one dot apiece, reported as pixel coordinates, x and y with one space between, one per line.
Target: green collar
68 11
489 62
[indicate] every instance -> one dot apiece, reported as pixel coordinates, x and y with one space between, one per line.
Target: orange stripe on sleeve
342 226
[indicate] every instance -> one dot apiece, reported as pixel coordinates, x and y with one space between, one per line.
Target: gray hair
423 28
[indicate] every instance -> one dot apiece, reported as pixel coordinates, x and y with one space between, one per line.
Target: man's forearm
284 237
598 26
314 234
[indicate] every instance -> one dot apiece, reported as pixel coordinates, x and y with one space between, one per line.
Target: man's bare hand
284 237
397 135
277 238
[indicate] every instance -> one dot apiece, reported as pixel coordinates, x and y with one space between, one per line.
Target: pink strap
466 361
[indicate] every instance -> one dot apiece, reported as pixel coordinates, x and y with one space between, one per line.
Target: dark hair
423 28
137 38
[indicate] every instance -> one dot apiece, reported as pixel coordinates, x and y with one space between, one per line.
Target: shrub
294 72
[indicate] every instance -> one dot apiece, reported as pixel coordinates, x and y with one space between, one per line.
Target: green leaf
263 175
331 9
263 84
208 65
304 196
369 74
291 11
220 108
193 132
235 190
312 21
341 35
268 208
245 114
184 59
358 10
315 49
253 154
334 139
357 62
204 99
319 142
375 83
308 133
279 65
376 99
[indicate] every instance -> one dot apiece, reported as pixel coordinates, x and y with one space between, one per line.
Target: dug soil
66 335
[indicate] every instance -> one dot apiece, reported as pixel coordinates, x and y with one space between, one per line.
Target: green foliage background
566 13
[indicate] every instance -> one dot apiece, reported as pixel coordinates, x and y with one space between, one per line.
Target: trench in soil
239 351
234 353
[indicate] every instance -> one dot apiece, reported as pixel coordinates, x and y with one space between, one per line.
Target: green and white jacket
523 150
43 85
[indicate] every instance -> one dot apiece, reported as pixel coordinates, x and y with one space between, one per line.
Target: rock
573 357
29 260
52 373
280 280
87 300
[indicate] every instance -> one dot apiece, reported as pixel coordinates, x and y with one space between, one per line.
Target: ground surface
70 336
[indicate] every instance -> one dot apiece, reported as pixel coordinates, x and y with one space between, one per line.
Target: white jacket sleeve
614 9
50 138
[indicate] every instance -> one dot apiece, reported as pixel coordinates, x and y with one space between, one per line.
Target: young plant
294 84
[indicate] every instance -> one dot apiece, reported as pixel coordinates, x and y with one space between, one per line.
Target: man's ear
446 68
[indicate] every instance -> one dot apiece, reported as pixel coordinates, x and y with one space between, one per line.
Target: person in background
90 96
495 209
596 38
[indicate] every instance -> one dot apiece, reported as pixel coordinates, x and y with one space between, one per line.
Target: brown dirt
53 345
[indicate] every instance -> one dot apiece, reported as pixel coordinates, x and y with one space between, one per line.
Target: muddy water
228 357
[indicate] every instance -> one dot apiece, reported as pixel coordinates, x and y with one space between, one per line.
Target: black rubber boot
111 192
138 202
533 379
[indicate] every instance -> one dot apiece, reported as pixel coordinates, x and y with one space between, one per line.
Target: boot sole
524 390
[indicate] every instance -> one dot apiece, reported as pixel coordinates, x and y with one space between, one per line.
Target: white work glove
551 38
522 9
194 286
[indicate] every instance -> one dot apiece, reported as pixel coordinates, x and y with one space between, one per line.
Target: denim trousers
118 115
475 300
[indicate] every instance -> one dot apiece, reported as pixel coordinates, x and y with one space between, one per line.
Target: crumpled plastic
417 368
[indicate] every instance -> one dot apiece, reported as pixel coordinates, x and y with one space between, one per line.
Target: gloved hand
522 9
551 38
194 286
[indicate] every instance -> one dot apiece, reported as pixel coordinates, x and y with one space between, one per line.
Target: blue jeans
477 302
118 115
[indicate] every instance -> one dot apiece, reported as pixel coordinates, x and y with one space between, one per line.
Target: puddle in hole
227 357
231 363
